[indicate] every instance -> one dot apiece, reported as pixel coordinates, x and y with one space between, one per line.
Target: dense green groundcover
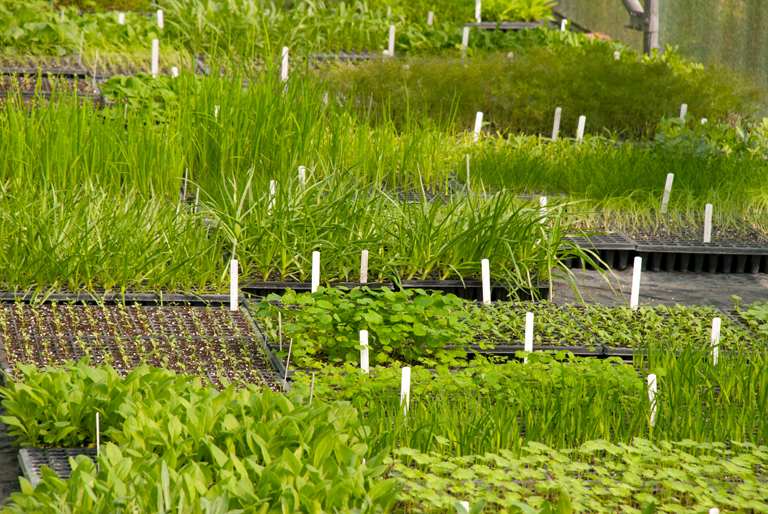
172 445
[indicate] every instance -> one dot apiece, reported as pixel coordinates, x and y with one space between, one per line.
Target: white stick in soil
186 178
667 191
652 388
563 24
272 199
364 352
391 47
478 125
580 128
125 112
302 176
510 55
121 18
98 436
284 66
174 71
312 389
485 268
464 41
160 19
364 267
616 55
634 297
95 69
197 199
708 223
155 57
465 505
703 121
715 340
478 10
714 510
405 389
528 334
216 112
430 18
315 271
683 111
287 363
556 125
280 329
542 208
233 285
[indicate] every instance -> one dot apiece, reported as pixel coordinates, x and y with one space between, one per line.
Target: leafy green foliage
404 326
524 10
755 314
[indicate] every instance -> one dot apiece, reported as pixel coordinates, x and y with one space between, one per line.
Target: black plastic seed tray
343 56
506 25
511 350
698 257
32 461
614 249
55 72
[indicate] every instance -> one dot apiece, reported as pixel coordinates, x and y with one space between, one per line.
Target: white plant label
121 18
616 55
391 50
580 129
155 57
302 176
563 25
556 125
467 172
486 276
715 340
233 285
284 65
667 191
478 10
160 20
315 271
542 208
430 18
272 194
478 126
465 505
634 298
703 121
652 388
364 352
405 389
528 334
174 71
364 267
683 111
464 40
98 436
708 223
510 55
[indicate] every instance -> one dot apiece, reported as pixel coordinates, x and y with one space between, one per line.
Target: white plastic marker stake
634 297
405 389
364 352
580 128
197 198
556 126
174 71
391 51
312 389
125 111
708 223
542 208
216 112
485 268
714 510
364 267
302 176
478 125
287 362
704 122
233 287
155 56
315 271
272 192
464 41
465 505
284 65
511 55
563 25
667 191
95 68
280 329
186 178
98 437
160 20
652 388
616 55
121 18
715 340
683 111
478 10
430 18
528 334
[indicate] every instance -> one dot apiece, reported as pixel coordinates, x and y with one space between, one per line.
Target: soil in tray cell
504 324
669 326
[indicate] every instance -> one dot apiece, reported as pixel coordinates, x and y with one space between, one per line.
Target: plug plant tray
32 461
698 257
467 290
506 25
211 342
613 249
